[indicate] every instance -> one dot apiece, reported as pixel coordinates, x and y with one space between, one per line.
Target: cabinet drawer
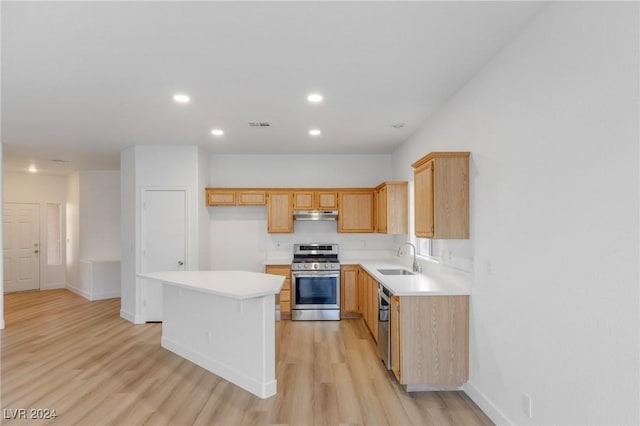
285 301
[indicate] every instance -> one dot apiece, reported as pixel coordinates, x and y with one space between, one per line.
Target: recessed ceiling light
398 125
217 132
181 98
32 169
314 132
314 97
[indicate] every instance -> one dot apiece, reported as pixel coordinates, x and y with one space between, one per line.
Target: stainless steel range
315 283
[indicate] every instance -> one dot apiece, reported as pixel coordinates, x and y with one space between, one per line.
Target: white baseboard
91 296
486 405
79 292
107 295
136 319
260 389
53 286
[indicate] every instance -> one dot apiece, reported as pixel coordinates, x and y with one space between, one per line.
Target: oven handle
311 275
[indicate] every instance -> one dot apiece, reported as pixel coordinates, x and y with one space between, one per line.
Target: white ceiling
83 80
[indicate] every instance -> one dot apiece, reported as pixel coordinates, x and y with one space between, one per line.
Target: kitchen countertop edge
240 285
420 284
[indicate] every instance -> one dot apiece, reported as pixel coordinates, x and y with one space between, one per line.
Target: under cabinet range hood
315 214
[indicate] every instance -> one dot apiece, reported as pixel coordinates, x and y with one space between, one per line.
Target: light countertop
420 284
232 284
427 283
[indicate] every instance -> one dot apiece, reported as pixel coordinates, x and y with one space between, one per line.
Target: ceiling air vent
259 124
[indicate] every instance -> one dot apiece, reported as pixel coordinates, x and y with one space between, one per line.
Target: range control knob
315 266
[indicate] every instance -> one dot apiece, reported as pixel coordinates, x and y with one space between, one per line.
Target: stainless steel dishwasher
384 337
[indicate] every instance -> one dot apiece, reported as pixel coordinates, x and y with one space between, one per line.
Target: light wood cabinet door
232 197
395 207
362 292
381 210
349 289
220 197
279 212
285 292
441 185
373 307
327 200
394 330
252 198
315 200
423 199
433 339
369 308
303 200
356 211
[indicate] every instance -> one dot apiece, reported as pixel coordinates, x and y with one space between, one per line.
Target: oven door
315 290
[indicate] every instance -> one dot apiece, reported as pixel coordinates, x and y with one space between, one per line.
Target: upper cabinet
355 212
279 212
392 208
360 210
441 189
315 200
233 197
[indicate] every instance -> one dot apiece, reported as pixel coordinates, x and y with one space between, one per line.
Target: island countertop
233 284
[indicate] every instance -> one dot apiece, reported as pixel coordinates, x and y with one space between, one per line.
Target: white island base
223 321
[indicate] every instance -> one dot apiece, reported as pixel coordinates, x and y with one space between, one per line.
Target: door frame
141 233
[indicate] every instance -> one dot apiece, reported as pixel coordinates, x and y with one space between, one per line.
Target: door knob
180 263
35 251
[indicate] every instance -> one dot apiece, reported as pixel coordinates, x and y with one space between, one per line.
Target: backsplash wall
239 237
240 240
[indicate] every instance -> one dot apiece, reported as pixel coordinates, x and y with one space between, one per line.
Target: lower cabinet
349 290
368 296
285 293
430 341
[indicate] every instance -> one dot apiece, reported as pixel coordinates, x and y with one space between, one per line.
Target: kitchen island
223 321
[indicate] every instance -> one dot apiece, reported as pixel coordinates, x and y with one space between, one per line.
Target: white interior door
21 240
164 225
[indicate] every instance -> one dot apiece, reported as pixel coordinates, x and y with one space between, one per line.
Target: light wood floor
60 351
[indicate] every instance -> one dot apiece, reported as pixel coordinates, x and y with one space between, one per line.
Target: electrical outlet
489 268
208 337
527 405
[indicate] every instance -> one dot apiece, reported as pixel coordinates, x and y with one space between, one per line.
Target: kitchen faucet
416 268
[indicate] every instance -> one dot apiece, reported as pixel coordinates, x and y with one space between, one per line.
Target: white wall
156 167
36 188
239 238
93 224
299 170
204 233
1 239
128 217
72 219
100 215
552 124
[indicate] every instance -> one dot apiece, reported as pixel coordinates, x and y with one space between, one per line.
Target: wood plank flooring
61 352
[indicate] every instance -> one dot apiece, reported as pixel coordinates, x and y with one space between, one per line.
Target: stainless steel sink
395 272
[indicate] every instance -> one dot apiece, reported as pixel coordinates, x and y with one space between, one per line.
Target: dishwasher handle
383 294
